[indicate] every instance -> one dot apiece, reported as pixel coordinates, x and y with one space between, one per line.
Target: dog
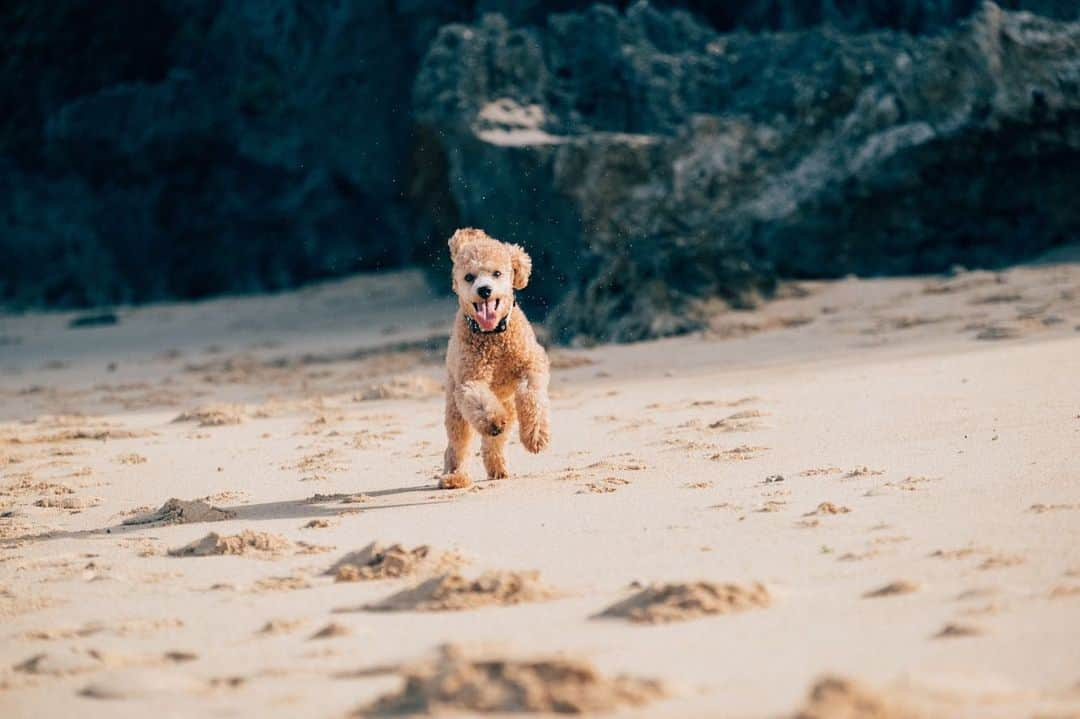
496 370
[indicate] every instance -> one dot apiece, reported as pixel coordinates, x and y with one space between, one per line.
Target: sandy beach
863 496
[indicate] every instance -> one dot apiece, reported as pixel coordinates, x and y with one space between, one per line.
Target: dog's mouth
487 314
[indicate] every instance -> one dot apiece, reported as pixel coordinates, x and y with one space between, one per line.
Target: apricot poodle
497 371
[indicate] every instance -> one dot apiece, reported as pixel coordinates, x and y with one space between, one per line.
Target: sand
954 456
677 602
901 586
378 561
179 511
457 683
454 592
249 543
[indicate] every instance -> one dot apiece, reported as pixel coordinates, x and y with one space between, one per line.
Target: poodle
496 369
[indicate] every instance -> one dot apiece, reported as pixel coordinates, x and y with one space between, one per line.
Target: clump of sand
840 698
245 543
331 631
280 626
452 592
745 421
456 683
953 630
180 511
377 561
412 386
214 415
72 503
902 586
828 508
674 602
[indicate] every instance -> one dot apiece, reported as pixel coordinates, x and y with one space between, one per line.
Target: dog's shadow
307 508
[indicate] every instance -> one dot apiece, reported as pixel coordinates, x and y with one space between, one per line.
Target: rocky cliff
654 162
649 155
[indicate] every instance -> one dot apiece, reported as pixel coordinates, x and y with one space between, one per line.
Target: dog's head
485 274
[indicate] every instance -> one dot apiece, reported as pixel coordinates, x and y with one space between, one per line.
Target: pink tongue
486 315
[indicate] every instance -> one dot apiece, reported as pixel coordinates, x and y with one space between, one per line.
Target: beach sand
863 496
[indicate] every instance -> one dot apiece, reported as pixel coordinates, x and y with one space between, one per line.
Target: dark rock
242 146
653 162
180 148
95 319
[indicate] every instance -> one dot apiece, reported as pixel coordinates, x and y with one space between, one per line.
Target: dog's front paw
536 436
454 480
495 424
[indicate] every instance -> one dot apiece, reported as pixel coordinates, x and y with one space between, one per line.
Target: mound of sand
180 511
902 586
377 561
455 683
410 386
245 543
952 630
281 626
214 415
451 592
677 602
745 421
840 698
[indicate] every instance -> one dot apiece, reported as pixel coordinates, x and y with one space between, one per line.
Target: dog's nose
484 291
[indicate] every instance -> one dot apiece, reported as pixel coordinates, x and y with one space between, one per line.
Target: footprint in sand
606 485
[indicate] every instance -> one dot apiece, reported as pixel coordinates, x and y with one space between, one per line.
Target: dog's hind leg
532 410
491 448
458 438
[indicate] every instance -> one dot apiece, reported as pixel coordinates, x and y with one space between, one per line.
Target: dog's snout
484 291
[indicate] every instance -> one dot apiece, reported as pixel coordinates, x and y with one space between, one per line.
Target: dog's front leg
458 436
532 409
481 408
491 448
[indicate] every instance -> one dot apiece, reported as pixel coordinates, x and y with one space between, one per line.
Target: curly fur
493 378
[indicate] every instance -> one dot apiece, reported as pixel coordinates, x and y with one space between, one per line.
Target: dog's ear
461 238
522 265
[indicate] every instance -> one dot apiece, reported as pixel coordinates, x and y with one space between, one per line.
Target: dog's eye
470 277
496 273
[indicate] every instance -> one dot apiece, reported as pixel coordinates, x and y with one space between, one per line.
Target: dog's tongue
485 315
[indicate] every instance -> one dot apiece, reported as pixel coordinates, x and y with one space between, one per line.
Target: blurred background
655 158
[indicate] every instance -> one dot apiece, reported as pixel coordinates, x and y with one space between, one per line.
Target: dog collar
498 329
